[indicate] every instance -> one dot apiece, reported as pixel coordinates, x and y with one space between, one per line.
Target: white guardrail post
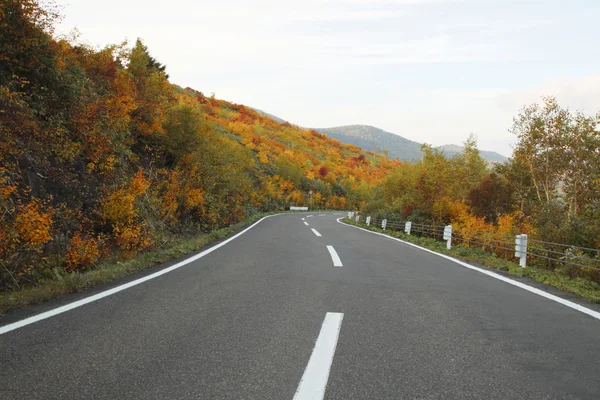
368 220
448 236
383 224
357 218
521 249
407 226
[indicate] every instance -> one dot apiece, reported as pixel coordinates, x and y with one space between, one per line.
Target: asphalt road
269 316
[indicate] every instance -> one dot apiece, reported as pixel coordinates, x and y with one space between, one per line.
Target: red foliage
323 171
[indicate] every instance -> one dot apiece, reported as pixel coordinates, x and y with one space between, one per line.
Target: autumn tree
492 198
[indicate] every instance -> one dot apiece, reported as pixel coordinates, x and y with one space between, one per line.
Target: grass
64 283
581 287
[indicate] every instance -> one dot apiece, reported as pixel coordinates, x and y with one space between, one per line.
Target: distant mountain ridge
377 140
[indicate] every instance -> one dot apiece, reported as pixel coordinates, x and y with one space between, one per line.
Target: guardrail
541 253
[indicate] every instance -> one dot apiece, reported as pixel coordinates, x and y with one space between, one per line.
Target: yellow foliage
263 158
33 225
296 197
194 198
119 206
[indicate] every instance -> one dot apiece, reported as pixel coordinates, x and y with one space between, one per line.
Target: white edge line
106 293
575 306
315 232
313 383
334 256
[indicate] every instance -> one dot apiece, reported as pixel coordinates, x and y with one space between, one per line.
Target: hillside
377 140
101 156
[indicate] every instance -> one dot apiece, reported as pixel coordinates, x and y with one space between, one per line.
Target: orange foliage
131 239
33 225
83 252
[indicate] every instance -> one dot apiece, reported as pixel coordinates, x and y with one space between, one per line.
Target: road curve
283 313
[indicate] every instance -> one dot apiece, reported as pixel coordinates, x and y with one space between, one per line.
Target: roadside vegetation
104 161
549 190
65 282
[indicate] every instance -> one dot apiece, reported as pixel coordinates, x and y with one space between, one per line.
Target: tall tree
543 133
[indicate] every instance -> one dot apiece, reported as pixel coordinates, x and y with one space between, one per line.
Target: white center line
334 256
315 232
305 223
314 380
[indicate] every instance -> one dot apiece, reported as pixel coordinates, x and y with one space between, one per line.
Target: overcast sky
429 70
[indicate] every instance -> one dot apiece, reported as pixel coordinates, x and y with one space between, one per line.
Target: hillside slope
376 140
102 156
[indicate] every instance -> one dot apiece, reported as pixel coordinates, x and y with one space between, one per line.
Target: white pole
448 236
521 249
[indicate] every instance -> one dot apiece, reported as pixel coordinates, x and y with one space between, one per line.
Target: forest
101 156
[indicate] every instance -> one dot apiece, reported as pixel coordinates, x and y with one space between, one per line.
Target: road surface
303 307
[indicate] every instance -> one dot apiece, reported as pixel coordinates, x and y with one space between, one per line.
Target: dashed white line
308 216
315 232
334 256
305 223
302 219
314 380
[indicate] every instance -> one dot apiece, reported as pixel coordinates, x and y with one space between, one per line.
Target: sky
432 71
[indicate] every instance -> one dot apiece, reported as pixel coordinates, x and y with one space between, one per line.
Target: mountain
377 140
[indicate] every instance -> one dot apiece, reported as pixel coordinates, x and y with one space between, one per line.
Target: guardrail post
448 236
357 218
383 224
368 220
521 249
407 226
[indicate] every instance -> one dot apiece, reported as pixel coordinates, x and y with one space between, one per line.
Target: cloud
577 93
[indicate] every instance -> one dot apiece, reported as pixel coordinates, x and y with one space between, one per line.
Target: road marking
314 380
308 216
302 219
59 310
315 232
564 302
305 223
334 256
